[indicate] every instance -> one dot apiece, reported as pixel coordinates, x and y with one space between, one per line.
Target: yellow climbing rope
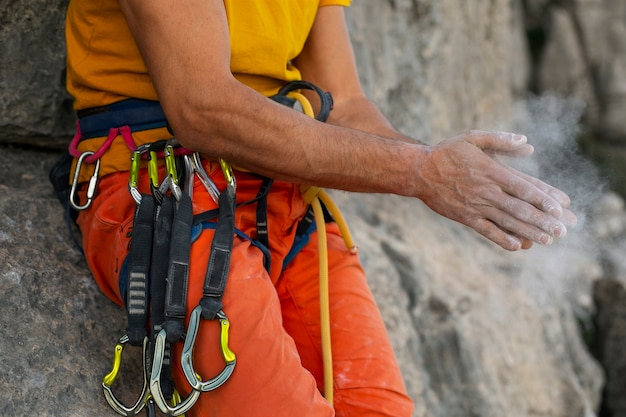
315 197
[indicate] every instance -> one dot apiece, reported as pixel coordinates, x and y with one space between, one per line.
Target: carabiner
109 379
172 175
189 176
93 182
204 178
187 354
133 178
153 174
155 383
228 173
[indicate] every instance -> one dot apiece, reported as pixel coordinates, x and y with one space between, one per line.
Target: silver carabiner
155 383
204 178
109 379
186 358
91 188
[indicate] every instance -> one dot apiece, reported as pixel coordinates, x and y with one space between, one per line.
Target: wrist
418 161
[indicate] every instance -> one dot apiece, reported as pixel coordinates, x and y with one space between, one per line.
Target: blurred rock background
478 331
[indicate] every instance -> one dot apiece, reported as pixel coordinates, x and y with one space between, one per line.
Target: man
212 64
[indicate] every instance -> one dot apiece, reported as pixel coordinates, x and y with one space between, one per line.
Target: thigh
268 377
106 230
366 375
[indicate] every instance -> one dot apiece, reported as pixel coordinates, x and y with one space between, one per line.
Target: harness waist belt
136 113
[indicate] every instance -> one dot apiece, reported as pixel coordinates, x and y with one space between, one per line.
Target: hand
462 181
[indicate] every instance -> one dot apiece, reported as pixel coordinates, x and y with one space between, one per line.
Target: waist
138 114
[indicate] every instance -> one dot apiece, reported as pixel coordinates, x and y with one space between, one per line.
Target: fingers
499 228
526 243
519 187
512 144
527 222
555 193
515 213
495 234
500 143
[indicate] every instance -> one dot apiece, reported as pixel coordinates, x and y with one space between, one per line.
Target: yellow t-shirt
104 64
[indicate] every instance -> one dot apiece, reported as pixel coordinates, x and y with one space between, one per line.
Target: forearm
262 136
362 114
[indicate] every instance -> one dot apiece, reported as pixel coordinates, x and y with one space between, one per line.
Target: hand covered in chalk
462 181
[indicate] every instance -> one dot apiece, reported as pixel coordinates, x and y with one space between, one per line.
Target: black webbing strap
160 257
140 258
261 219
161 252
178 270
219 260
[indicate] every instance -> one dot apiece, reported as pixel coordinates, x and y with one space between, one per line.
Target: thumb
501 143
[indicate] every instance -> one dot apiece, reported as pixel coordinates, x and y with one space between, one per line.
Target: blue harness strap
136 113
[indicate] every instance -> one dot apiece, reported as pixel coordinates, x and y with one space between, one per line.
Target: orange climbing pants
274 318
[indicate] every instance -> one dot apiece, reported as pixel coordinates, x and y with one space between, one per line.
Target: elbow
196 118
192 125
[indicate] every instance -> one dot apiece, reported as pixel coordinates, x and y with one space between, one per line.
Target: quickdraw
210 306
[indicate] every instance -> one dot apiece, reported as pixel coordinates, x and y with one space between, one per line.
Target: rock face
581 52
439 67
477 331
33 101
610 298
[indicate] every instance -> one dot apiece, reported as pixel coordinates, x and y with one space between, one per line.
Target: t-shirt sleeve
335 2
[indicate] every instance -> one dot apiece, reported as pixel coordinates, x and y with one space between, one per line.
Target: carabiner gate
109 379
187 353
91 188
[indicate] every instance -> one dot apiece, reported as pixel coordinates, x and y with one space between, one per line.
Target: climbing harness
154 285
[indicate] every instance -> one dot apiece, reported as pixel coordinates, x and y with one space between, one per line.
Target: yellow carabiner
109 379
153 170
229 355
228 173
181 407
133 178
91 188
170 167
186 358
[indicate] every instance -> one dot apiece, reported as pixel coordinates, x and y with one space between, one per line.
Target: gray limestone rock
477 331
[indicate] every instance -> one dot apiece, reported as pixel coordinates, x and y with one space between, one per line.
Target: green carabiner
153 170
133 178
109 379
170 167
186 358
